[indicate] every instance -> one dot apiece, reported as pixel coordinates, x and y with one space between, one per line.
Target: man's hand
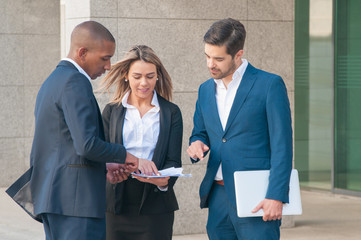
116 173
272 209
147 167
131 163
196 150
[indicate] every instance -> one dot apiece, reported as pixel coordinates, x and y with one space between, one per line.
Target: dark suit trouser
223 222
139 227
60 227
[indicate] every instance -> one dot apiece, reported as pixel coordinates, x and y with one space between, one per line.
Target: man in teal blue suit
243 120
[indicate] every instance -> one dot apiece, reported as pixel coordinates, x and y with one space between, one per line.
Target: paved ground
325 217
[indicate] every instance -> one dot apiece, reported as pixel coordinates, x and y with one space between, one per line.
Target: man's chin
215 76
96 76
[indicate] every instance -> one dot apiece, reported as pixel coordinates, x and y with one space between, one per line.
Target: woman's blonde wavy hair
118 72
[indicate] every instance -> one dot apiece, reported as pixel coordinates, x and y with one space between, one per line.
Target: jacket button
224 140
155 189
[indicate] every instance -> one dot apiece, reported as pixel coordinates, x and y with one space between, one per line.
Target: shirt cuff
163 189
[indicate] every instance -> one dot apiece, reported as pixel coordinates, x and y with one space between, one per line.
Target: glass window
348 95
314 92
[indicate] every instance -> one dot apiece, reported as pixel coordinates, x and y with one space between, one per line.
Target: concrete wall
29 46
173 28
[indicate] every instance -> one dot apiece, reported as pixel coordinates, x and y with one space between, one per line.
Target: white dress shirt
225 97
140 134
77 67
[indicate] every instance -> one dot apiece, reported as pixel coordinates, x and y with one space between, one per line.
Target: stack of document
169 172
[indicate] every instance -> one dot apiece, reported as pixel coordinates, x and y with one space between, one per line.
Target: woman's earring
157 79
126 80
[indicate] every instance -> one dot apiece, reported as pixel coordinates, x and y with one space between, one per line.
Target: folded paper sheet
169 172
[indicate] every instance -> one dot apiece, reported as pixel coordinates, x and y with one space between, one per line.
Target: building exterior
34 36
327 133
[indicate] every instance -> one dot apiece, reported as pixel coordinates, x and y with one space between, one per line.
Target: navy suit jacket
258 133
68 156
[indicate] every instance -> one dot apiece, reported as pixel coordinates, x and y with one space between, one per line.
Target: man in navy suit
65 186
243 119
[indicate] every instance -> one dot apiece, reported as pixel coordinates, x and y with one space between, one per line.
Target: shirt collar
153 103
77 67
237 75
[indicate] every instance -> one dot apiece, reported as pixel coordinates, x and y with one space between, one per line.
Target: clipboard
251 188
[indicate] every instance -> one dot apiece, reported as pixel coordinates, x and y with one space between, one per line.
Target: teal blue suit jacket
258 133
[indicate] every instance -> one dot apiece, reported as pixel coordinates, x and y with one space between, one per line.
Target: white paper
169 172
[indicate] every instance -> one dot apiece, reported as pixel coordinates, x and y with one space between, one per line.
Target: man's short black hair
228 32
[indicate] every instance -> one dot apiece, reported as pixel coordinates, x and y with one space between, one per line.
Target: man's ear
239 54
82 52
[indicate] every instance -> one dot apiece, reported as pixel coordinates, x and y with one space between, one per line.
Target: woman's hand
159 181
147 167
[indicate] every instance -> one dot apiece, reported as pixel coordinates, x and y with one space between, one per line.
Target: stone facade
35 34
29 45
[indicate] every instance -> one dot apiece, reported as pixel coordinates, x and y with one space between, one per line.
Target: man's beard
221 75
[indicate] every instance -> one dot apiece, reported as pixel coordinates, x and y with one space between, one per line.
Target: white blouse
140 135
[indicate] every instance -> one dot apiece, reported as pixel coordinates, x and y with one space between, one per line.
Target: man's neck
229 78
75 60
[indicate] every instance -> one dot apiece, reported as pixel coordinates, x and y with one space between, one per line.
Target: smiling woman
141 118
142 78
120 72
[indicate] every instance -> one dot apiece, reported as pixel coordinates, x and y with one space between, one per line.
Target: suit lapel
164 123
116 133
211 109
242 92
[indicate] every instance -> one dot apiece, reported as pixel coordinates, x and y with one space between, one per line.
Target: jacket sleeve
81 115
174 154
280 134
199 131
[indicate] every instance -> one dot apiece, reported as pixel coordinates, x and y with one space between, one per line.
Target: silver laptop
251 188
